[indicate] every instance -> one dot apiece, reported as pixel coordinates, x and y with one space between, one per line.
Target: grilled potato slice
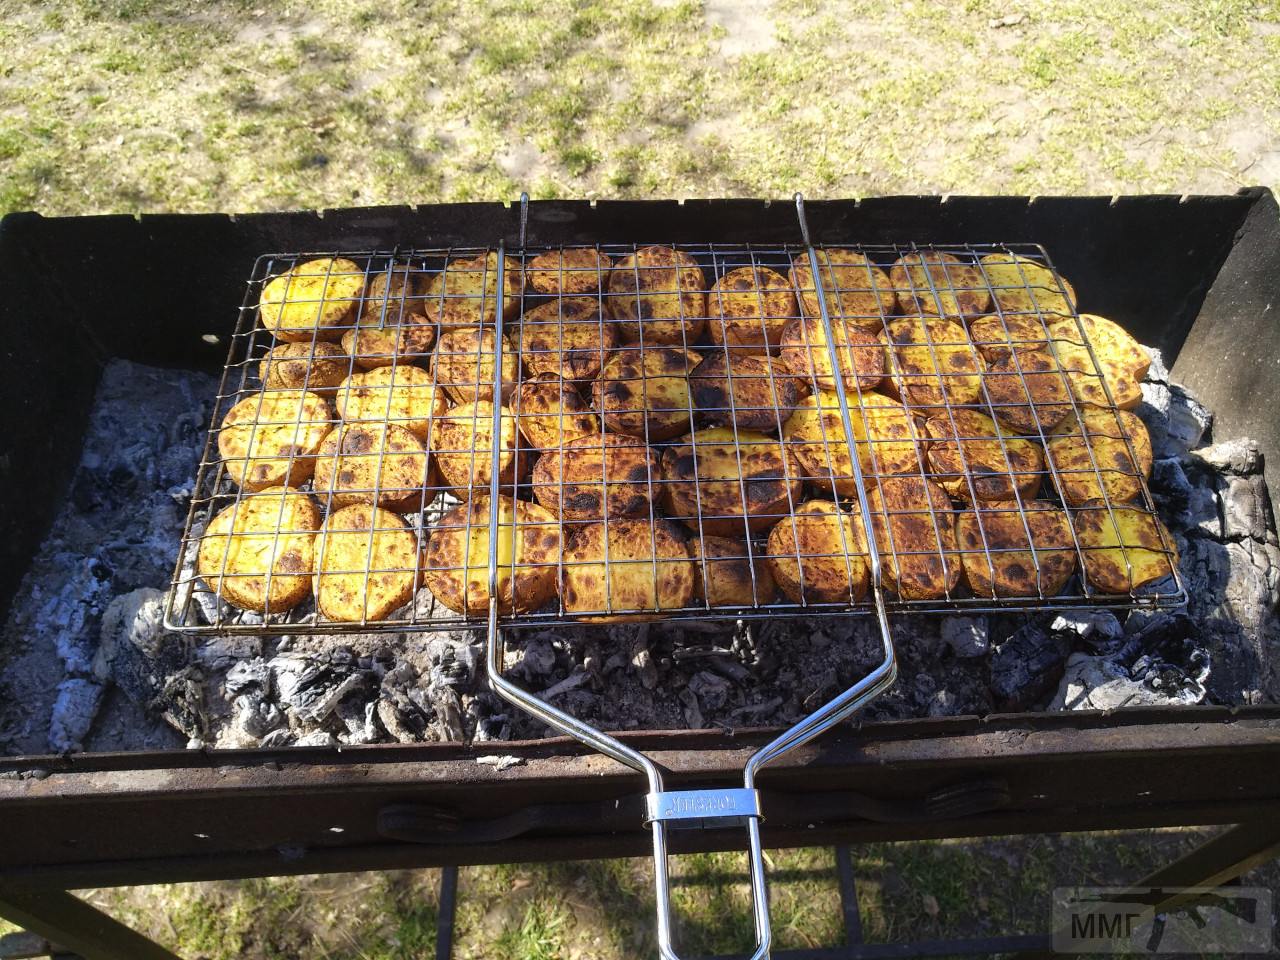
567 338
729 483
405 396
462 441
551 412
318 367
394 294
457 557
915 534
999 561
465 292
314 300
933 363
270 439
885 436
731 578
464 360
997 338
373 463
855 288
819 555
862 356
1121 361
1102 432
970 456
405 340
1021 285
634 569
644 392
749 390
368 564
1124 548
266 536
660 293
750 307
940 285
1029 392
570 271
596 476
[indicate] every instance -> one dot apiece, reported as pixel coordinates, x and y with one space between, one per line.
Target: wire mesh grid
669 440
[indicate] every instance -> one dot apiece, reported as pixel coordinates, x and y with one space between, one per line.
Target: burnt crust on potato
933 363
855 289
626 570
406 340
314 300
373 463
971 456
551 411
270 439
915 534
862 356
368 564
645 392
818 555
939 284
886 438
751 391
1121 362
1097 435
569 271
403 395
568 338
462 442
1029 392
749 308
464 360
318 367
465 292
733 577
598 475
998 559
998 337
1124 547
658 295
1022 285
393 295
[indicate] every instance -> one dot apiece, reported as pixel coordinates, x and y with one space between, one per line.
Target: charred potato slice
266 536
404 340
915 534
462 441
1100 432
1121 361
729 483
998 559
465 292
751 391
855 289
568 338
457 557
626 569
934 364
750 307
1124 548
551 412
885 436
645 392
1020 285
1029 392
971 456
862 356
318 367
819 555
373 463
405 396
368 564
270 439
597 476
731 577
394 294
939 284
658 295
464 361
997 338
314 300
573 270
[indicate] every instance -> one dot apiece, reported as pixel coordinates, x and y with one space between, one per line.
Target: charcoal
1027 666
711 690
642 660
966 637
1246 508
1239 457
1185 504
943 703
246 674
692 711
1098 627
256 717
539 658
76 705
1176 420
182 703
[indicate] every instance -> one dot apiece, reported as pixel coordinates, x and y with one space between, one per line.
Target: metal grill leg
74 925
848 895
447 912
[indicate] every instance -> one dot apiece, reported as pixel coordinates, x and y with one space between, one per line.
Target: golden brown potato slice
862 356
464 360
318 367
819 555
462 441
933 363
750 307
885 435
1029 393
393 295
569 271
998 558
270 439
626 569
457 557
373 463
854 287
660 294
567 338
551 412
915 534
1020 285
724 575
998 337
1122 360
404 340
1124 548
971 456
752 391
465 292
368 564
314 300
1097 436
405 396
939 284
267 536
730 489
595 476
645 392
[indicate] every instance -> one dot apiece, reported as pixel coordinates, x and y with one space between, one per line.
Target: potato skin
406 340
317 367
749 309
1006 551
970 456
465 292
831 547
1106 430
313 300
551 412
270 439
933 363
915 534
1029 393
751 391
569 271
364 462
732 579
273 530
1121 361
567 338
658 295
636 569
645 392
570 481
457 557
854 287
1020 285
862 355
405 396
463 364
388 575
961 291
999 337
462 441
1125 554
